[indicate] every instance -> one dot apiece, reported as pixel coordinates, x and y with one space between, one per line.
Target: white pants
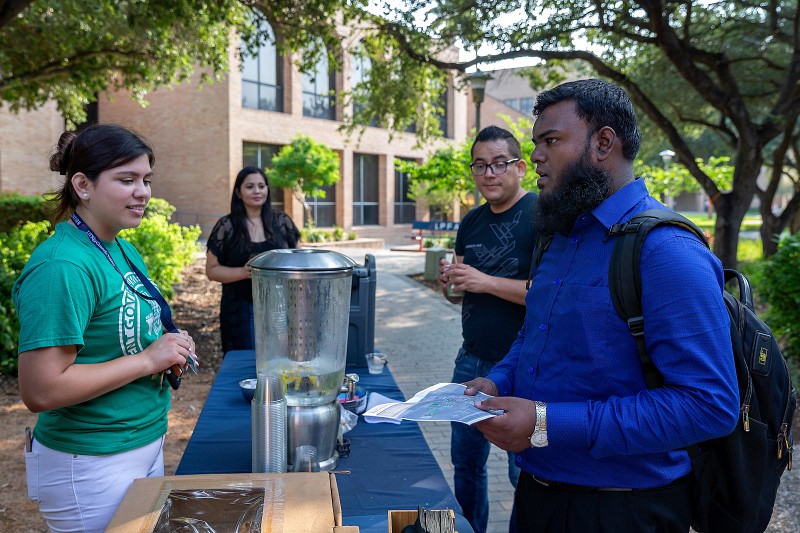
81 493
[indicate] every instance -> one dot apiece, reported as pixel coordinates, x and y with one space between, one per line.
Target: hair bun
59 161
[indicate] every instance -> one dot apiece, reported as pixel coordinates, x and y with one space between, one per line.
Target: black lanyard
174 378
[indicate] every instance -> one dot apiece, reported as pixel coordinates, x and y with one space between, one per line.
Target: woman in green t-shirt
91 342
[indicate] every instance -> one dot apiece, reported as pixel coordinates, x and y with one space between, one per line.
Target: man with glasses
493 252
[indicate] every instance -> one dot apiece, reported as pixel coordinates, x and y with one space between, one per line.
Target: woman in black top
252 227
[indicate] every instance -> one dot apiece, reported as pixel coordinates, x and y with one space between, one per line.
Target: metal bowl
248 388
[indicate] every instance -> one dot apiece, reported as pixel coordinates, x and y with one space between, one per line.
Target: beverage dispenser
301 306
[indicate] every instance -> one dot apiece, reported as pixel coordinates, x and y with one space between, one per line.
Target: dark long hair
239 212
97 148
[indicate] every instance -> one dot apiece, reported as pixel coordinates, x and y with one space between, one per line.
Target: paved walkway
421 333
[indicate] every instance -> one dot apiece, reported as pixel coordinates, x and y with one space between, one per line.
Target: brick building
203 136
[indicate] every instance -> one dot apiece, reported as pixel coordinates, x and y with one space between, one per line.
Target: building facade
203 136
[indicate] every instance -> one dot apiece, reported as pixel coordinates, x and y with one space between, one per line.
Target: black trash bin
361 332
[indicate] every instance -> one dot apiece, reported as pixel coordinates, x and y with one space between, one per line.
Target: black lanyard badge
174 373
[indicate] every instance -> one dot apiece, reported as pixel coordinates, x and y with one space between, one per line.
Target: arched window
318 87
262 75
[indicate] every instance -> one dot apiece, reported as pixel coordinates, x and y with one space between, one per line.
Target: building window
323 210
404 207
318 87
526 105
262 75
365 190
443 118
260 155
523 105
361 67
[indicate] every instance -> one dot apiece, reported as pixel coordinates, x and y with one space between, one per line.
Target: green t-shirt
70 294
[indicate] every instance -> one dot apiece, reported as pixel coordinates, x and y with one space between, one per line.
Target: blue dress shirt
574 352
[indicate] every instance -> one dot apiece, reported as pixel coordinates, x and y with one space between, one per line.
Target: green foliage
312 234
305 166
16 247
16 209
446 242
676 178
410 91
70 50
159 207
167 248
781 288
445 177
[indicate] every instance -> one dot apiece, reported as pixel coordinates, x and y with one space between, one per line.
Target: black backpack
734 478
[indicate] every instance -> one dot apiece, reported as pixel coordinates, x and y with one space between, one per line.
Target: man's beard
582 188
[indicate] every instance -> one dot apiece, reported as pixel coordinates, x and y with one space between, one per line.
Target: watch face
539 439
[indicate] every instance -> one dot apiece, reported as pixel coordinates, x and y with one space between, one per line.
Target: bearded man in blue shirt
599 451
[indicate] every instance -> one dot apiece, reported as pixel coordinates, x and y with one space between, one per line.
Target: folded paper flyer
438 403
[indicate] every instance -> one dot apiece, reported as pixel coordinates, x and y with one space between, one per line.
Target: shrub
16 209
446 242
16 247
313 234
781 287
166 248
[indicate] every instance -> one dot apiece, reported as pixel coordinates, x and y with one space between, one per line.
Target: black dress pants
559 509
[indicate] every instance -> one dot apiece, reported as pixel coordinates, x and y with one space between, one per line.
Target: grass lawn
750 222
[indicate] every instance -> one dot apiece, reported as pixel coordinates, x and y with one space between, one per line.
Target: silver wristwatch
539 436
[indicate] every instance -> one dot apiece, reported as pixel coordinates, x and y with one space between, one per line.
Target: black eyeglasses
497 168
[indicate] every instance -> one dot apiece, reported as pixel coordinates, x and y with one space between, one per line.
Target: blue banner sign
435 225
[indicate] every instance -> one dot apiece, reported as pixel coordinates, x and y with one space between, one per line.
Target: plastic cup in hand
450 257
375 362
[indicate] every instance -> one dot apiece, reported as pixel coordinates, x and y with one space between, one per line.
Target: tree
676 179
70 50
305 166
445 177
441 180
727 67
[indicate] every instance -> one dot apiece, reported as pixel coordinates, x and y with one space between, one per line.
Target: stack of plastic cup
269 425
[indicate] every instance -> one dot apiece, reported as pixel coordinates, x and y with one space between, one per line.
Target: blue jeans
469 451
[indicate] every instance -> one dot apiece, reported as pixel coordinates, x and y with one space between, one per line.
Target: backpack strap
541 247
625 277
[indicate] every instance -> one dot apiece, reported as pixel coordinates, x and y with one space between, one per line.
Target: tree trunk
771 229
730 214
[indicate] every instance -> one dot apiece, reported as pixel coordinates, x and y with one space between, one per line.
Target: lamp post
666 157
477 82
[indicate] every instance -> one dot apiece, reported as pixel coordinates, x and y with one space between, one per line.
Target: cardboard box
297 502
400 519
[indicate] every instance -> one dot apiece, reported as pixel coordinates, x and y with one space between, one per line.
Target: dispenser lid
302 259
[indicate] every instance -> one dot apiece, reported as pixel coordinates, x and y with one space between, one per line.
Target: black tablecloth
391 465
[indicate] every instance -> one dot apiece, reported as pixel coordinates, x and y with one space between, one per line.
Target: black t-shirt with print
499 245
